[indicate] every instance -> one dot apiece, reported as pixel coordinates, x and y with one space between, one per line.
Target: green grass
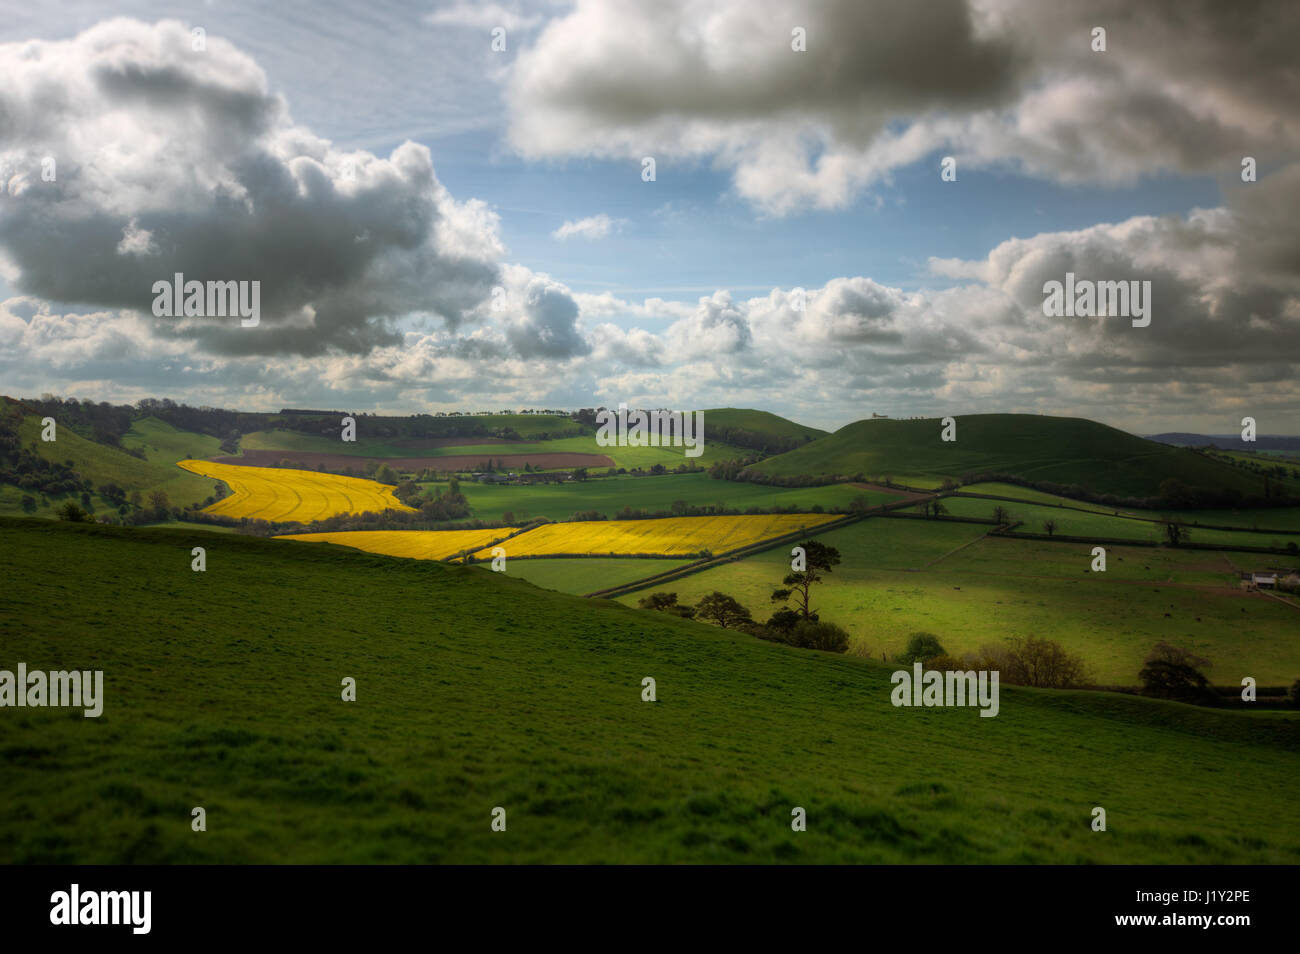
762 422
1072 523
998 588
102 464
1277 518
165 445
1262 458
188 527
477 690
296 441
609 495
586 575
1068 522
1063 450
1017 492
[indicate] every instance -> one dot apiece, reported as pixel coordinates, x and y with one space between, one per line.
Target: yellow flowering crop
669 536
281 494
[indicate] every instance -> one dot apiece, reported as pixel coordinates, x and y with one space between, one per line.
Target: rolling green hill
476 690
161 444
762 422
1062 450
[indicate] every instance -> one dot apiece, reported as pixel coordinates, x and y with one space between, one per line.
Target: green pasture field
997 588
477 690
1075 524
609 495
1029 495
585 575
1273 518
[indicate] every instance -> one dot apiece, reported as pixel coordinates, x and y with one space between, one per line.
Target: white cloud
171 160
593 227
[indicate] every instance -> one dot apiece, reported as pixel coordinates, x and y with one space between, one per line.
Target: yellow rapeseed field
281 494
670 536
420 544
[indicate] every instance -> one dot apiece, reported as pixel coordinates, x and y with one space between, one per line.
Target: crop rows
280 494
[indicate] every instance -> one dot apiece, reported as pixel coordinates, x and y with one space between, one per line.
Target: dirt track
311 460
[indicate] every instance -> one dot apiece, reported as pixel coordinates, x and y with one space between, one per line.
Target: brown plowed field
311 460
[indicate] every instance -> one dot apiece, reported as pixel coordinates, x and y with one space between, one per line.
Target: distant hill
763 421
759 431
1061 450
1263 442
143 462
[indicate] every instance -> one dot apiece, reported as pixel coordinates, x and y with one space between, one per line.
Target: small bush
828 637
922 647
70 511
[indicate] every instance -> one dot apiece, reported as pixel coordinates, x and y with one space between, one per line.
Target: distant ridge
1066 451
1228 441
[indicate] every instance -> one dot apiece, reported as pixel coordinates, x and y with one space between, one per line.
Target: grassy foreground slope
476 691
586 574
1063 450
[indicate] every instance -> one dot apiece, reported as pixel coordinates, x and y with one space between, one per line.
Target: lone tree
1171 672
1176 533
937 508
1034 661
1050 527
818 559
721 609
1001 516
808 634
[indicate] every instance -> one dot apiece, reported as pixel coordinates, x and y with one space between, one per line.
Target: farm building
1273 578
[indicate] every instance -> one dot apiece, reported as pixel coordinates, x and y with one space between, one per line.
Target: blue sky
776 170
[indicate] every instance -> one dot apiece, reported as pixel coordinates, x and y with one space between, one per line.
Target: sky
447 205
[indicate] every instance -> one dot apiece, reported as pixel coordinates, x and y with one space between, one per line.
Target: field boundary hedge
1121 542
944 519
1119 515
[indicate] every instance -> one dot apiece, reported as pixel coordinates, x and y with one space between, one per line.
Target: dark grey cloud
1182 86
171 160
